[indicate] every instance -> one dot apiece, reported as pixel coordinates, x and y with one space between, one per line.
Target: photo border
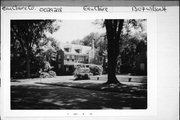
152 64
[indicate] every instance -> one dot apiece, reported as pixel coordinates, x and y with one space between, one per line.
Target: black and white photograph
86 60
93 64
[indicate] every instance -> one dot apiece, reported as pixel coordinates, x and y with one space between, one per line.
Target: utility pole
93 51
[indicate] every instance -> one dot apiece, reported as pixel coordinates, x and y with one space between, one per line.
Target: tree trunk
112 67
113 30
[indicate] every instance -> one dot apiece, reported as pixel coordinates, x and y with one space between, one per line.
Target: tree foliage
133 43
27 39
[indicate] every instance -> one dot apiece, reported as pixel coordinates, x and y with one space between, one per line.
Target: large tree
26 39
113 31
124 36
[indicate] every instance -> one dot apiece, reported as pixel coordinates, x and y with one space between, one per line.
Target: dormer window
78 50
67 49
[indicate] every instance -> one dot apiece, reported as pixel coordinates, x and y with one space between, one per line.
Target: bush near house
49 74
46 72
96 70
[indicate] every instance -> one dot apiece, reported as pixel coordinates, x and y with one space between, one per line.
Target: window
67 57
67 68
80 59
142 66
59 58
67 49
78 50
72 56
59 66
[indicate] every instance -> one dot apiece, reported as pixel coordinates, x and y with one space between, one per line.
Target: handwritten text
149 8
95 8
17 8
51 9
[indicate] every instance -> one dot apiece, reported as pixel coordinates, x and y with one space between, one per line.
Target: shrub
49 74
44 75
96 70
52 73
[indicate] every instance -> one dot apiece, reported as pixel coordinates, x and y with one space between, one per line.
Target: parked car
82 73
94 69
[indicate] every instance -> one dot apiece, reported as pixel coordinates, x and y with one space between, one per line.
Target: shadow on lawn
120 88
58 97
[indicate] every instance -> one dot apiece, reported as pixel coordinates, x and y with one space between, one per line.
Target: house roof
73 47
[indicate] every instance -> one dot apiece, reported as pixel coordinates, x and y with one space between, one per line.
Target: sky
75 29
